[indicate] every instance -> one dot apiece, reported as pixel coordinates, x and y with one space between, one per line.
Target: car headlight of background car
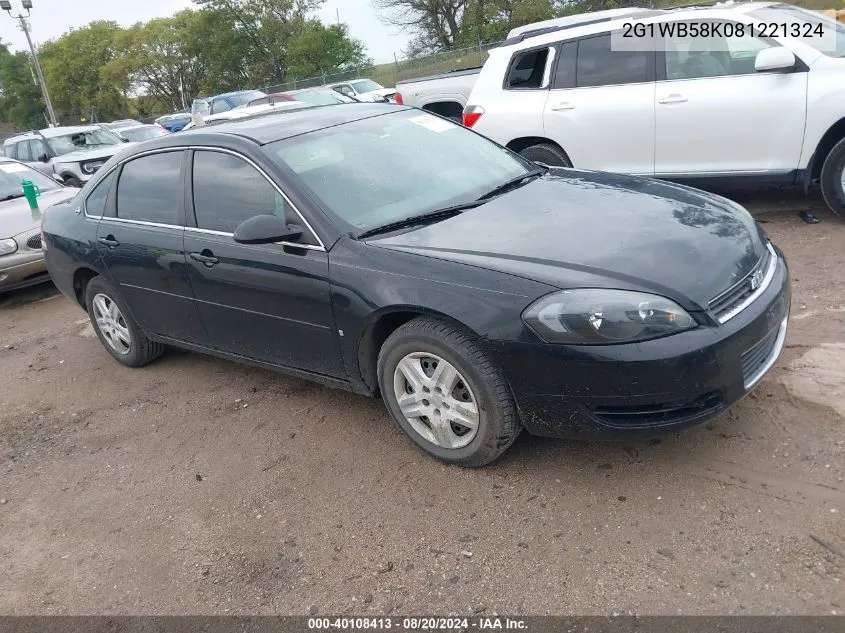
8 246
90 167
590 316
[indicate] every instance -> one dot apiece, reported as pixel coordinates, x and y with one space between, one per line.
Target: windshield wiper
422 218
12 196
513 183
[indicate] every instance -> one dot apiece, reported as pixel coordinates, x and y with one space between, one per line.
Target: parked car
749 110
122 123
174 122
315 96
72 153
21 258
138 133
245 112
364 90
224 102
445 94
476 292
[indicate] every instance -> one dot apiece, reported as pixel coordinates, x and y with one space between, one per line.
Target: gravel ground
197 486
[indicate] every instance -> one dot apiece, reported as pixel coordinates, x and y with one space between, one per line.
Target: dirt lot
199 486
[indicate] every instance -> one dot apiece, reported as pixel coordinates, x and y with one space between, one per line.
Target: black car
388 251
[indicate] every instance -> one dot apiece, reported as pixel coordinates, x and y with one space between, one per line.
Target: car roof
51 132
279 125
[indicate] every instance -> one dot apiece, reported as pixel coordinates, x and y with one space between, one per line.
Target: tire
833 179
427 340
139 350
548 154
72 181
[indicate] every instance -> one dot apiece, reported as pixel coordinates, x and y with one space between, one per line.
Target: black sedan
387 251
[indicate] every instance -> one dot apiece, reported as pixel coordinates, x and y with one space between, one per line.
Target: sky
51 18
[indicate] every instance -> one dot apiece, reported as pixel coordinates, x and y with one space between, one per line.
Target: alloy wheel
112 324
436 400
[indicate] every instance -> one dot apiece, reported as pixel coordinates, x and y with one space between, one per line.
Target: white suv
765 110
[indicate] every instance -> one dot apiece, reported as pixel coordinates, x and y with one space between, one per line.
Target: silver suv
72 153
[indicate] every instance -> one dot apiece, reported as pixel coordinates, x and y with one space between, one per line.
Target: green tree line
162 65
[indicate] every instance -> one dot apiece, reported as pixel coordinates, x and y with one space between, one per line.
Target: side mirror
43 158
266 229
777 58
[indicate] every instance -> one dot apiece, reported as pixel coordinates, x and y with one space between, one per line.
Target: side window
23 152
12 150
95 203
38 149
219 105
696 57
150 189
598 65
565 67
228 191
527 69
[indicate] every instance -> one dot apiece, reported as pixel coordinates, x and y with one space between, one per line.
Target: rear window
528 69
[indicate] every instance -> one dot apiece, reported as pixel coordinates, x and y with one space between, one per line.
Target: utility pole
6 5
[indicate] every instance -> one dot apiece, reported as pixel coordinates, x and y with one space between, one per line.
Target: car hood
574 228
16 216
376 94
92 154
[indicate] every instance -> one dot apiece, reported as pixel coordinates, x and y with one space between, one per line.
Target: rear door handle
563 106
674 98
206 257
109 241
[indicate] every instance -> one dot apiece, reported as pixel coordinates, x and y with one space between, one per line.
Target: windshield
245 97
832 40
388 168
82 141
367 85
319 98
11 175
138 134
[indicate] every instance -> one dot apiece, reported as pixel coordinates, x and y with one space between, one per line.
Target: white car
199 120
764 108
364 90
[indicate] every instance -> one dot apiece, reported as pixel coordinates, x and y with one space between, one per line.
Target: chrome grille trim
767 280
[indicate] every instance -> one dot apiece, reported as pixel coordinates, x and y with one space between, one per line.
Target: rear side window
565 67
23 152
150 189
220 105
38 149
228 191
527 69
95 203
12 150
598 65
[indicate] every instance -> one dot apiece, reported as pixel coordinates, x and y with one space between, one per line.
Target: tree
435 24
72 66
319 49
20 96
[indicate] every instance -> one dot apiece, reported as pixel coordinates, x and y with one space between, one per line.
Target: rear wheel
833 179
547 154
115 327
445 393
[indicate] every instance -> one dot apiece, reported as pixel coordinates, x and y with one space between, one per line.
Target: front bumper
645 389
25 267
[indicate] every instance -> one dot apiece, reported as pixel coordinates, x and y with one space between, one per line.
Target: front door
716 115
265 302
140 240
600 108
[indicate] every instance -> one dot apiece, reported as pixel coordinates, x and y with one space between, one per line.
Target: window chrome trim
222 150
309 247
158 225
764 285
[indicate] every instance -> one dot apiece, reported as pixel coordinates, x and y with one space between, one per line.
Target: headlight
590 316
8 246
90 168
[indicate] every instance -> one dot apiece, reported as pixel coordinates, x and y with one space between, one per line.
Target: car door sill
330 381
735 178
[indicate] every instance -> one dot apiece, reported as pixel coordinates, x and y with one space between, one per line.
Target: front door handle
205 257
563 106
109 241
673 98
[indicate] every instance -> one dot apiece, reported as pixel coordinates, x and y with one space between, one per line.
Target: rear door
140 239
40 156
265 302
600 108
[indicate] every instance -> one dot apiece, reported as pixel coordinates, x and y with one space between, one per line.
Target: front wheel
833 179
445 393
